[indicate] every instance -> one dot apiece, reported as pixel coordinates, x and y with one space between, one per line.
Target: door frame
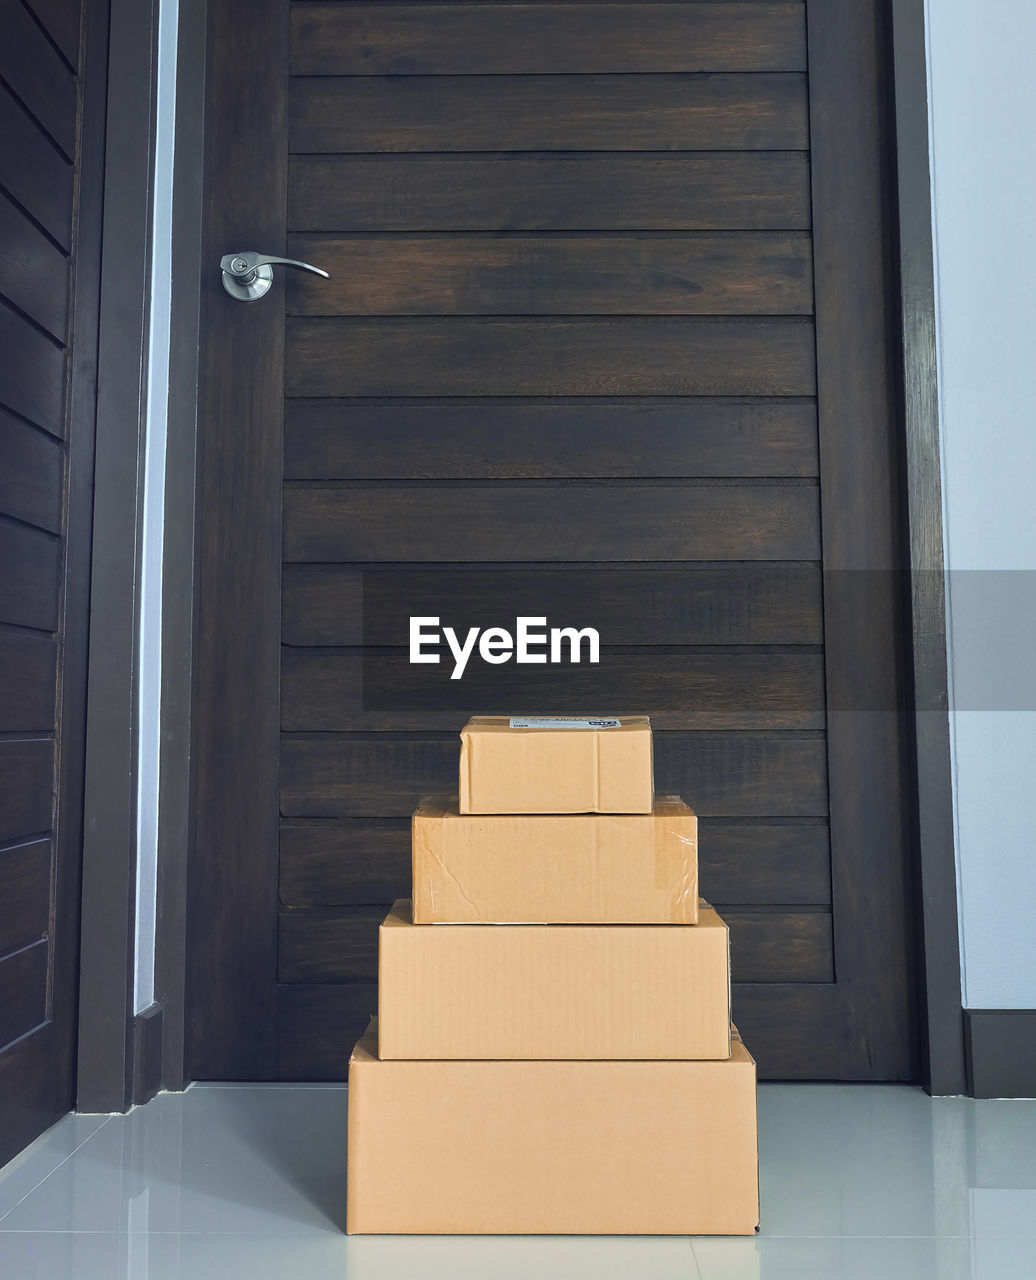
942 1022
126 1056
209 47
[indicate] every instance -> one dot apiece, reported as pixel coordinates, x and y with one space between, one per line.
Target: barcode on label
560 722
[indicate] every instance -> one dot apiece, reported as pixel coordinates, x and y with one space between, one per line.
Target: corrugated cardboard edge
651 759
671 871
735 1037
730 990
464 778
731 1030
365 1049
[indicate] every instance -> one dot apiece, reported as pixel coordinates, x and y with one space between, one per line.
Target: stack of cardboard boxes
553 1051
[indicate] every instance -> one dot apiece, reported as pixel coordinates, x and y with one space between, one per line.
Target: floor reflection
225 1182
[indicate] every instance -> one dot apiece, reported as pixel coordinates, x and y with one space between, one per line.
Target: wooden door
605 340
50 233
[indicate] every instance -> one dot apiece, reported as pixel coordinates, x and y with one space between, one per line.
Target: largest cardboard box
571 868
553 991
527 1147
556 770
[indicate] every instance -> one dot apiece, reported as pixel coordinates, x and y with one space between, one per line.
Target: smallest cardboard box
580 1148
556 764
573 868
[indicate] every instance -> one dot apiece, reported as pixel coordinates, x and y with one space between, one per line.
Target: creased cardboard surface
552 1147
505 770
555 869
553 991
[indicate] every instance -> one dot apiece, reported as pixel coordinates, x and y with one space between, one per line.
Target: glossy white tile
519 1257
858 1183
200 1256
831 1258
1003 1211
64 1255
851 1160
28 1169
248 1160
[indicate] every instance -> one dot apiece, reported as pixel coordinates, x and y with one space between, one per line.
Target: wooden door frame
942 1022
124 1057
214 43
109 829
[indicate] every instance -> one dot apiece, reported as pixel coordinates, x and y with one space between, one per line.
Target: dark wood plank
28 674
32 467
347 690
384 775
500 439
232 880
646 605
26 787
777 1020
30 566
744 775
713 522
23 992
37 74
868 688
320 944
25 873
450 39
317 1027
34 172
365 861
329 945
751 273
549 113
764 864
37 1073
567 192
33 369
29 1101
33 273
781 946
61 20
359 862
664 356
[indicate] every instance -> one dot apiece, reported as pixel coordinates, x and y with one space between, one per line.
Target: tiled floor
248 1183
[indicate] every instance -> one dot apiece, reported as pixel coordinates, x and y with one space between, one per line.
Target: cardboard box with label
553 991
556 764
582 868
534 1147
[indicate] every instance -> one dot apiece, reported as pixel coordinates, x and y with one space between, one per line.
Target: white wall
982 84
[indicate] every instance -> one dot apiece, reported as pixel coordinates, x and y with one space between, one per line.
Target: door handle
248 276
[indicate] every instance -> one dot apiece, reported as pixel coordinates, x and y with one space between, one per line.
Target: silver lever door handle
248 276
